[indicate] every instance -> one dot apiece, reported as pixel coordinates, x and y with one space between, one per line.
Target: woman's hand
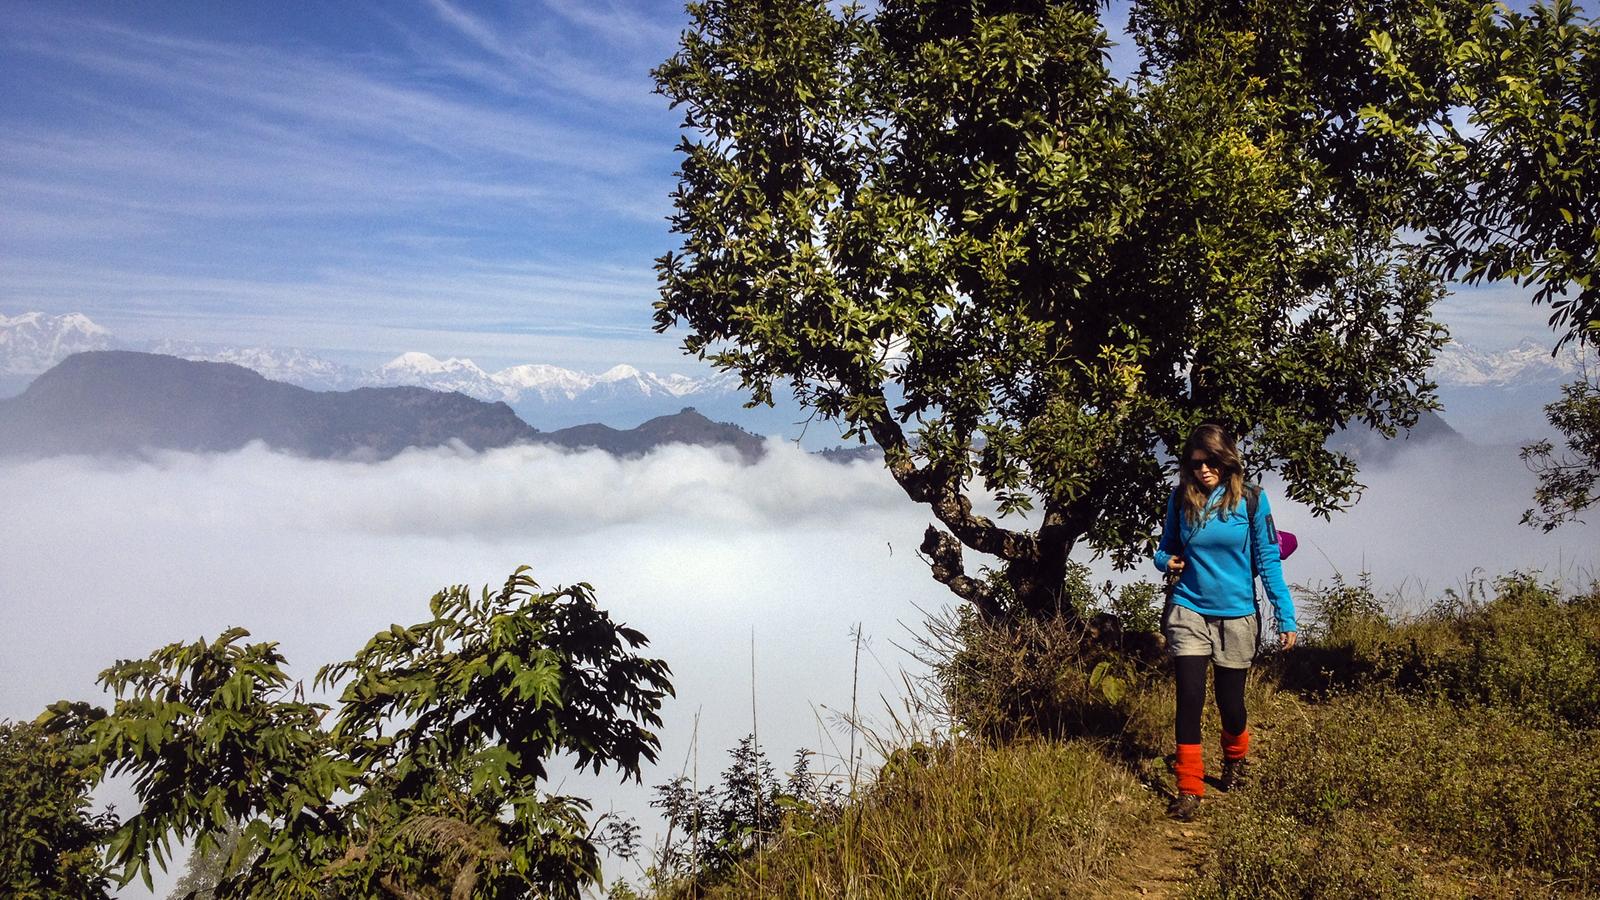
1286 638
1175 565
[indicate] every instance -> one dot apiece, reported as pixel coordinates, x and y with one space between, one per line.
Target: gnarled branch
941 490
944 551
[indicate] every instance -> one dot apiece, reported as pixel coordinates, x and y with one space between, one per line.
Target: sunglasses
1194 464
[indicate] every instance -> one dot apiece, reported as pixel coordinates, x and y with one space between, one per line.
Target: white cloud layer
108 560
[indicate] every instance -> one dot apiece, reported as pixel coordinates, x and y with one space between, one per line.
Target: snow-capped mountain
549 384
33 342
297 367
422 370
1529 362
1498 397
536 383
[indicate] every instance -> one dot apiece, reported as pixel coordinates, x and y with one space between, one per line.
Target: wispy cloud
402 176
474 28
271 178
471 295
1495 316
616 23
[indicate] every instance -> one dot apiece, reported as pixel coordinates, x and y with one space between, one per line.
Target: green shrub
431 774
50 835
1531 648
1136 605
1521 643
1005 680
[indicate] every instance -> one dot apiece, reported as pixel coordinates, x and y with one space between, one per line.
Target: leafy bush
1137 606
430 780
49 838
1007 679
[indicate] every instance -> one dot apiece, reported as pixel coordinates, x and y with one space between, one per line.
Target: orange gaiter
1191 769
1235 746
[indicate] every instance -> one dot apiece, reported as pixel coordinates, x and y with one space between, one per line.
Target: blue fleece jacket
1217 579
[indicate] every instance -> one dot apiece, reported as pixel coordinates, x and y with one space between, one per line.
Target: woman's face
1204 469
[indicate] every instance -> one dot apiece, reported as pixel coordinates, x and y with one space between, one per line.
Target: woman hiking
1218 536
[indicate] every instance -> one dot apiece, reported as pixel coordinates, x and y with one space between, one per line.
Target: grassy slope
1032 819
1450 755
1372 794
1455 754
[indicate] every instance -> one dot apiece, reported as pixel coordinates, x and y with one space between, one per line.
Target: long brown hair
1215 442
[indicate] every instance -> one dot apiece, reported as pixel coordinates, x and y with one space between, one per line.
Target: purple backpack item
1286 541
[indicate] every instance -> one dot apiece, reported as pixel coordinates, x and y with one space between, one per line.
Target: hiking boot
1184 807
1235 774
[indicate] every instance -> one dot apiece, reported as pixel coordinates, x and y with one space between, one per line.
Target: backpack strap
1252 502
1183 542
1168 579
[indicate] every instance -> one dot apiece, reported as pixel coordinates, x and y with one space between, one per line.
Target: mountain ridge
33 342
120 402
1492 397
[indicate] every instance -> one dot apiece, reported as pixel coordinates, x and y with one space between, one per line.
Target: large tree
1502 114
949 227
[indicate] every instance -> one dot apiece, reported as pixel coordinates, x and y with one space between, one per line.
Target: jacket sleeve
1170 542
1270 565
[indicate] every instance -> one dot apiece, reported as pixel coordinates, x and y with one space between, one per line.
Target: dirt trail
1163 861
1166 857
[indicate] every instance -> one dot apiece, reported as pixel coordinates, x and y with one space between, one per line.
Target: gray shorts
1230 643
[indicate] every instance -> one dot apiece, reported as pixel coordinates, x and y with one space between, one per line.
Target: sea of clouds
747 578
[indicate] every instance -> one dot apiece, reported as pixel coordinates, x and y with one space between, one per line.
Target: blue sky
486 180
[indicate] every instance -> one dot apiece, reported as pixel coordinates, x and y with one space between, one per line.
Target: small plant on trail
1137 606
1342 606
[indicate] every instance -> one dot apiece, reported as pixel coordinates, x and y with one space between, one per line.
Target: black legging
1191 671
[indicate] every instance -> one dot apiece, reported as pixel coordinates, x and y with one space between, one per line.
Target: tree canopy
428 779
950 228
1501 110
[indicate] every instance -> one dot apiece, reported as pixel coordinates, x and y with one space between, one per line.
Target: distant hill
545 396
122 402
684 427
1490 396
1365 445
117 402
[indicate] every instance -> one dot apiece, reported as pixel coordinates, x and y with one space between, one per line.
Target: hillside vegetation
1443 754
